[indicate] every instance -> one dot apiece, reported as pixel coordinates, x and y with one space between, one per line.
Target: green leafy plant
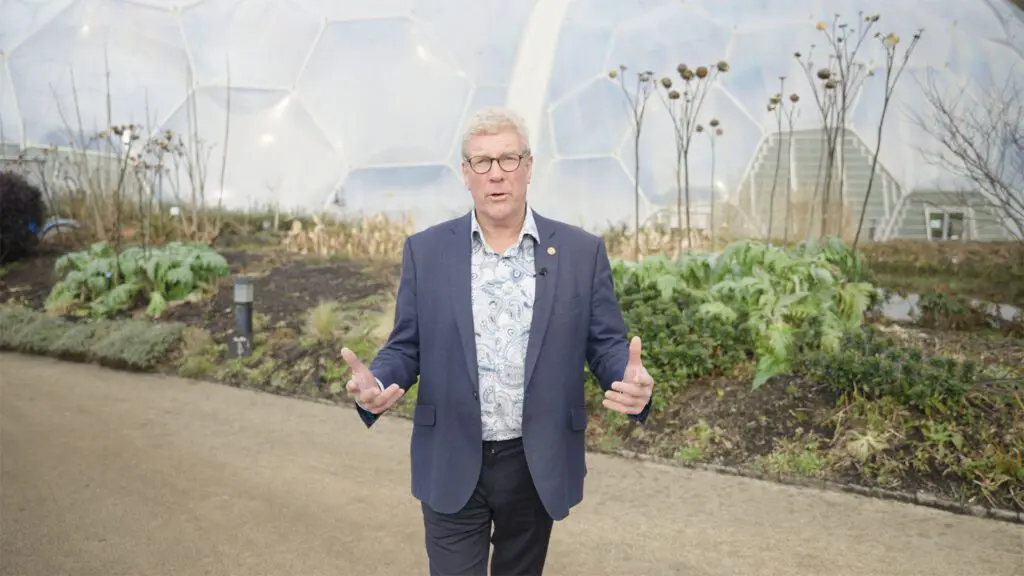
158 276
756 300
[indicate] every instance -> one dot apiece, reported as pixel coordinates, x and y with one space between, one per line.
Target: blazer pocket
578 419
424 415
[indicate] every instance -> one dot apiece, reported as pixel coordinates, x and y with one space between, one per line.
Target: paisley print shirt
503 289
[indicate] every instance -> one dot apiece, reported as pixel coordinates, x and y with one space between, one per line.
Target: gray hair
495 121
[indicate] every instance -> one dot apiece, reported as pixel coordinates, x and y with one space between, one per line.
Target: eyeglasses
507 162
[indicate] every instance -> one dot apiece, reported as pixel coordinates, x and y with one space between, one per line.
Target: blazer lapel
546 266
458 256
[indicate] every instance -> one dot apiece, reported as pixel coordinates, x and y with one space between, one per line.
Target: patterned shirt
503 288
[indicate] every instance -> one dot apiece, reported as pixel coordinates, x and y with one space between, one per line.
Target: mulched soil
284 288
28 282
744 424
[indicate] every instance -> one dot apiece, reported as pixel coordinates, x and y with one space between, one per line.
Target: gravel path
107 473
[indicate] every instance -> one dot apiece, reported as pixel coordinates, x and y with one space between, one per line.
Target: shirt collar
529 226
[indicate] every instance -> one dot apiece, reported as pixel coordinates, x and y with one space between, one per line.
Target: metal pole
243 316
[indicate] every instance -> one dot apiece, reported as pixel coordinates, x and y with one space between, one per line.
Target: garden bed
840 414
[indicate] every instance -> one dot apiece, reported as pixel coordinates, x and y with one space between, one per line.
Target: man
497 313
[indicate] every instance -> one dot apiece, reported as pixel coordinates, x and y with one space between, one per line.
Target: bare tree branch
982 141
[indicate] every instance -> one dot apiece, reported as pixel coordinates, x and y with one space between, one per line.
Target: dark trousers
459 544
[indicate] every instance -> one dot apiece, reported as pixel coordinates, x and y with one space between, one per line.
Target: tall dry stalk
714 134
774 104
778 106
637 108
892 76
790 112
683 108
837 84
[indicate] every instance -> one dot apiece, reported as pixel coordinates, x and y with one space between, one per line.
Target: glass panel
955 226
935 225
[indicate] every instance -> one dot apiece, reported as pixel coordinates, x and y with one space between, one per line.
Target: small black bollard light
243 316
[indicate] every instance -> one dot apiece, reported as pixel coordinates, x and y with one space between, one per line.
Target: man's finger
634 352
618 407
630 388
352 386
367 396
357 367
623 398
386 399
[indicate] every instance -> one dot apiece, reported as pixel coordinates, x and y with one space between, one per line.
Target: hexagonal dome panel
363 82
275 149
265 42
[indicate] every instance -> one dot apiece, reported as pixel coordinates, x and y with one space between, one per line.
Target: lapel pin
551 250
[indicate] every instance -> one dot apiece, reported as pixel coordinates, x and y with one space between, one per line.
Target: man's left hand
633 392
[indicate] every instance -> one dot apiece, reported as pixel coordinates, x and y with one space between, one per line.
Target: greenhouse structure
356 106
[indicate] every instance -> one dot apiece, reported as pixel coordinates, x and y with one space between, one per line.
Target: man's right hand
366 389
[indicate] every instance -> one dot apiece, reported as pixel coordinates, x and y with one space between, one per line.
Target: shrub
872 365
22 212
138 344
132 344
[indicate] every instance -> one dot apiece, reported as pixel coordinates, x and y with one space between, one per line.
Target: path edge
919 498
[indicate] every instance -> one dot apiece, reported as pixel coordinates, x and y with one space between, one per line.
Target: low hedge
125 344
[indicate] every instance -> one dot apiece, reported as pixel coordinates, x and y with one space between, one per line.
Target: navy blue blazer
576 319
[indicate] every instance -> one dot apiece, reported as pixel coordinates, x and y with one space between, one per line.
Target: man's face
499 195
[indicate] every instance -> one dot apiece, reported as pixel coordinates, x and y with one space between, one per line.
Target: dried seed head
797 55
646 76
680 68
821 26
702 72
666 82
713 123
891 40
830 85
718 132
687 74
722 66
700 128
673 95
824 74
794 98
613 74
775 99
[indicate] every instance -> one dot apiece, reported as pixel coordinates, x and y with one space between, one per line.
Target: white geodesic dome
363 100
